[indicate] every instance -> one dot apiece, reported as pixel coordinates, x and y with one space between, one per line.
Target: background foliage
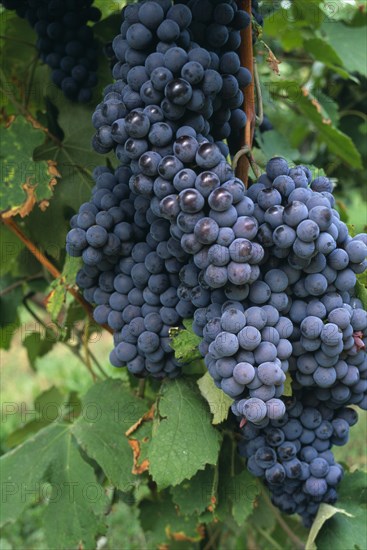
80 462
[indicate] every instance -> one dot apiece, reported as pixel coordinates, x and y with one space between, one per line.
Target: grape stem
297 541
12 226
246 152
247 61
141 388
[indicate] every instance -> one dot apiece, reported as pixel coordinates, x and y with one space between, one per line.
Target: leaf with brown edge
316 103
138 468
139 444
182 537
24 182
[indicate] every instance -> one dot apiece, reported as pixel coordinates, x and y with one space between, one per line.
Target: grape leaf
197 494
338 142
19 57
185 343
163 523
351 50
324 52
237 489
218 401
9 319
59 287
347 529
38 345
325 512
361 293
184 440
108 7
77 500
25 182
124 525
75 156
243 496
288 392
48 407
274 143
109 409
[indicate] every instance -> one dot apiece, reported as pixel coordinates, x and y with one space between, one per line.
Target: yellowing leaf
219 403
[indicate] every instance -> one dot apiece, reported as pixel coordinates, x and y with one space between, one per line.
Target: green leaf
361 293
108 7
25 182
339 143
325 512
109 409
329 107
184 440
23 469
219 403
9 319
77 500
324 52
75 156
48 407
288 392
279 25
343 531
352 49
245 492
19 57
10 253
162 523
38 345
195 495
124 525
274 143
238 492
57 296
185 343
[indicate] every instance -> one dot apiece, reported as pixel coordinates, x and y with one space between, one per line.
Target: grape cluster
267 273
130 274
310 253
292 454
248 356
158 64
216 26
65 41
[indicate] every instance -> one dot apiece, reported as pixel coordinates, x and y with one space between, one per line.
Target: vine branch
247 60
19 283
12 226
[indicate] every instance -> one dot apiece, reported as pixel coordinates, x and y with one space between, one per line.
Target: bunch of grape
247 356
293 455
158 64
309 274
216 26
130 274
268 273
65 41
